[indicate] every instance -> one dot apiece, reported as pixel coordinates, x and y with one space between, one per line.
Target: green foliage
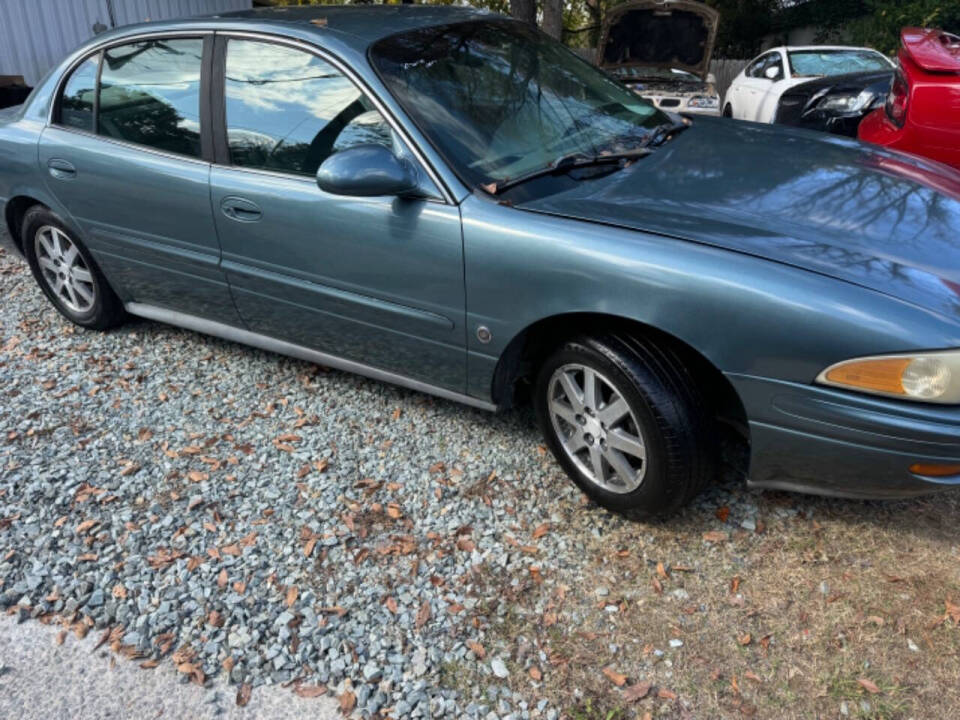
880 26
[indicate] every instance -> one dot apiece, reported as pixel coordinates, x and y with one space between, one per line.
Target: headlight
924 377
703 101
846 103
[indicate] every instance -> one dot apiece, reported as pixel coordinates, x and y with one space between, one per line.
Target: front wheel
627 422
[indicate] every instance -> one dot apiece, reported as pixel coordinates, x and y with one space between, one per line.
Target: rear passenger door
127 155
375 280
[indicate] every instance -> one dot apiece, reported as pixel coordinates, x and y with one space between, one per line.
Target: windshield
500 100
817 63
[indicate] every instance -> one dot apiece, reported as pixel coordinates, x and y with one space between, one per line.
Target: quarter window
150 94
76 103
288 110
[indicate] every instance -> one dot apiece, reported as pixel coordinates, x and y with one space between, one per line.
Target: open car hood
660 34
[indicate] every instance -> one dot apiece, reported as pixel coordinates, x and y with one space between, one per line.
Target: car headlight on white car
847 103
703 101
932 377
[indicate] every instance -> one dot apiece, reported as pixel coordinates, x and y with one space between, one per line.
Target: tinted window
150 94
288 110
76 103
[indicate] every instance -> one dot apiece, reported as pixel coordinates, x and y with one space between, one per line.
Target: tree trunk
595 11
524 10
553 18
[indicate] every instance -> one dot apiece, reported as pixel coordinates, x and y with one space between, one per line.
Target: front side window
500 100
150 94
288 110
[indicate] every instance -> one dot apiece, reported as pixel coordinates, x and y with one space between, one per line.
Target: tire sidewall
34 220
655 491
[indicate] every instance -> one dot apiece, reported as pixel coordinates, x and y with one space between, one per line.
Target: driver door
375 280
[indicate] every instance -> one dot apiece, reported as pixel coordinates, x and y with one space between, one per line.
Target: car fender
746 315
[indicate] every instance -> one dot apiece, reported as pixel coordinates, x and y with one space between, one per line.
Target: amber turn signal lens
879 375
931 470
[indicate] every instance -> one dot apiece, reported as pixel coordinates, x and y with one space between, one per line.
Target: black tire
105 310
728 111
673 418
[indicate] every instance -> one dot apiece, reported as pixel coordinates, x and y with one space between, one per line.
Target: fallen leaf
393 510
308 548
423 614
222 579
243 694
466 544
232 549
197 476
750 675
744 639
722 513
715 536
661 570
119 591
541 530
347 702
868 685
615 677
215 618
477 649
665 694
637 692
953 611
144 434
734 584
535 673
310 691
292 594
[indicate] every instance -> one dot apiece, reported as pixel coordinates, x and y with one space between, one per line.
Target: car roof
794 48
367 23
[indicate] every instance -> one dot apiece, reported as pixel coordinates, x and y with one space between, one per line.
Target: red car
922 112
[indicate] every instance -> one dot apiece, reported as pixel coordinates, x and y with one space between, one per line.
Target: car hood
659 33
848 83
859 213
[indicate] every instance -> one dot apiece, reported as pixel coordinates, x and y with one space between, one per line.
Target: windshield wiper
567 163
661 133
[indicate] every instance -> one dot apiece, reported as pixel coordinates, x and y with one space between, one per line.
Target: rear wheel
627 422
728 111
67 273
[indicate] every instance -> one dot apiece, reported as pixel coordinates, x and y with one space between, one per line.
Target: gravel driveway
239 517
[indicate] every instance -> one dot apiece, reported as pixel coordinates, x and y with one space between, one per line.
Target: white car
755 92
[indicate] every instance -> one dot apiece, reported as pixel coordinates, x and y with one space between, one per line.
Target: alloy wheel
64 270
596 428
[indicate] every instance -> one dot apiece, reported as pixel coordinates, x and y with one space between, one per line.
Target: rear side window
288 110
150 94
76 103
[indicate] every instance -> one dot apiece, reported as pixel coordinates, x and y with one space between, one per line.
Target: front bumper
817 440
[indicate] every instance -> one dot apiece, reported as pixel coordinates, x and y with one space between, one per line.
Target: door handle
61 169
240 209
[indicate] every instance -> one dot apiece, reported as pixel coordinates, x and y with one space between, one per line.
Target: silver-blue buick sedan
448 200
